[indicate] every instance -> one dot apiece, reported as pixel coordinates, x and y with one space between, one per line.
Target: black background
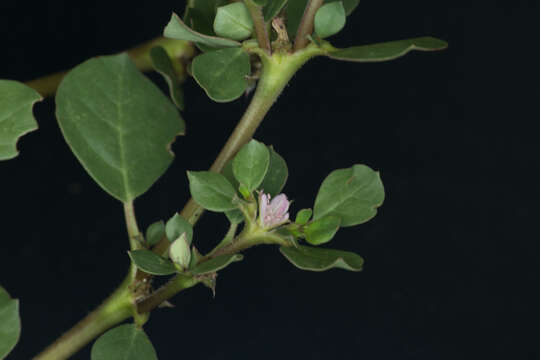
451 258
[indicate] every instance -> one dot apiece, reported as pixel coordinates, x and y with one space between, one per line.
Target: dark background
451 258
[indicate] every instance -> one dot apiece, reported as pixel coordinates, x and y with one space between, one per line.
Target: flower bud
179 252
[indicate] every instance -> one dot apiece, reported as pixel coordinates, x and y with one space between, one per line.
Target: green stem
131 225
261 29
306 24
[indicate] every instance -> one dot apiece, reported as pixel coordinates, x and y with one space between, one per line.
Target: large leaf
10 323
118 124
161 62
16 119
273 8
233 21
125 342
352 194
319 259
329 19
276 176
251 164
151 262
222 73
216 264
176 29
211 190
387 50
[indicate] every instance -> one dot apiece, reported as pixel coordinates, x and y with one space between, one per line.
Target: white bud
179 252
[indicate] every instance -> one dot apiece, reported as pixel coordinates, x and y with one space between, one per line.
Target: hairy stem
306 24
261 30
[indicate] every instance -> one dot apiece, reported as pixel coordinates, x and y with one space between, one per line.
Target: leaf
276 176
320 259
222 73
349 5
16 118
200 15
124 342
151 262
387 50
273 8
233 21
234 216
176 226
260 2
155 232
295 11
10 322
161 62
179 252
251 164
176 29
329 19
211 190
216 264
323 230
352 194
118 124
303 216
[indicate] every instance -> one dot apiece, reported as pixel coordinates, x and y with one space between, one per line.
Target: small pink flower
273 213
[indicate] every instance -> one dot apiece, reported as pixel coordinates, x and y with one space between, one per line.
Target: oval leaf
211 190
233 21
352 194
276 176
151 262
200 15
16 118
216 264
118 124
303 216
330 19
387 50
318 259
251 164
10 323
155 233
222 73
124 342
273 8
176 29
322 231
161 62
177 226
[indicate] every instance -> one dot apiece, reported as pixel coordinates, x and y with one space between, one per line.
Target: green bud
180 253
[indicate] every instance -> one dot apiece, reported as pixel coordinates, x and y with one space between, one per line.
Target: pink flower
273 213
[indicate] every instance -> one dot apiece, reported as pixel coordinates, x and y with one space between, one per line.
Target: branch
306 24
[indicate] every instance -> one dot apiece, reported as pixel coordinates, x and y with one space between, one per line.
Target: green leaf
125 342
10 322
118 124
349 5
151 262
233 21
330 19
216 264
320 259
295 11
16 118
211 190
222 73
251 164
322 231
303 216
260 2
161 62
276 176
176 29
155 232
176 226
387 50
234 216
273 8
352 194
200 15
179 252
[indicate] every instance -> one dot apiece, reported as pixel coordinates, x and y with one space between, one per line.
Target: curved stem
306 24
261 30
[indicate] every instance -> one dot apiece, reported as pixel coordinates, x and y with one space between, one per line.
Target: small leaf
352 194
234 216
349 5
200 14
16 118
10 323
320 259
151 262
276 176
125 342
251 164
330 19
216 264
176 226
155 233
273 8
176 29
233 21
322 231
388 50
222 73
179 252
303 216
118 124
211 190
161 62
